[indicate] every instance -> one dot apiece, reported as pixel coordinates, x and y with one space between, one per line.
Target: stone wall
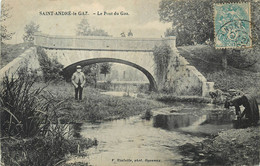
184 79
29 58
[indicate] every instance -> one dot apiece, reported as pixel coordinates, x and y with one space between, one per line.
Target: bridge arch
69 70
136 52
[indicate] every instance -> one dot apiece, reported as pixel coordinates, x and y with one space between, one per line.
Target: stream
137 141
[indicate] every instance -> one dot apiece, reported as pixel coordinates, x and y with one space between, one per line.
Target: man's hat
78 67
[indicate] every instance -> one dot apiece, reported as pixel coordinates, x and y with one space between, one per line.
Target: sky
142 18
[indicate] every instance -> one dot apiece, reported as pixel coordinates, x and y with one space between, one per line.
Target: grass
232 147
23 114
208 61
40 151
95 106
171 98
30 130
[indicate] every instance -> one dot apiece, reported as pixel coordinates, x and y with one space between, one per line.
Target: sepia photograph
130 83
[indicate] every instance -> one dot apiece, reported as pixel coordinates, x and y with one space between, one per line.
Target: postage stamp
232 25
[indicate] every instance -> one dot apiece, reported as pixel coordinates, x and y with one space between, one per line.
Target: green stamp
232 25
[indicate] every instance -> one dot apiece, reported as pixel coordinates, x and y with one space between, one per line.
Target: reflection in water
134 141
219 118
76 129
173 121
179 120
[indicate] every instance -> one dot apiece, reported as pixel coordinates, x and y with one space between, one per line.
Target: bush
41 151
171 99
31 120
231 80
105 86
51 68
23 114
144 88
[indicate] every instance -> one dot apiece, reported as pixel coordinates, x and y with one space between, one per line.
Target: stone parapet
101 43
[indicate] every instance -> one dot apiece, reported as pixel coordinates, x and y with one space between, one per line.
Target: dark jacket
251 107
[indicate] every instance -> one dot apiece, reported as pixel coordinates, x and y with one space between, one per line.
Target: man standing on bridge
78 80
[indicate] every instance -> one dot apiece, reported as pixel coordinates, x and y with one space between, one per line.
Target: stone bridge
72 51
181 78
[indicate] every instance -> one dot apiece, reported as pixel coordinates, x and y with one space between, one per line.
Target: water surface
135 141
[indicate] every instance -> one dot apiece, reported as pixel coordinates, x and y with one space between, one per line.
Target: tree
122 34
30 29
84 29
51 68
91 71
192 21
98 32
5 8
130 34
189 18
105 68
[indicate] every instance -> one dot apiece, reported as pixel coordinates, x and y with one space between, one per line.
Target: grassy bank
30 131
41 151
190 99
208 61
95 106
232 147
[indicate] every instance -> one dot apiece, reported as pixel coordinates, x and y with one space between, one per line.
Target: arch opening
69 70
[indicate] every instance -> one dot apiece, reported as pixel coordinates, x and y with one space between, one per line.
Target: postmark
232 25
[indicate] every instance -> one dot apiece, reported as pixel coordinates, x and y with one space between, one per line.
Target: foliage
105 85
30 29
122 34
130 33
244 59
5 8
231 147
91 72
41 151
207 60
51 68
105 68
27 112
96 106
162 56
172 99
22 113
84 29
230 80
189 18
194 18
192 23
143 88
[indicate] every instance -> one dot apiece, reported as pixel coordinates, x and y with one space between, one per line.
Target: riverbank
224 149
41 151
30 131
95 107
230 147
